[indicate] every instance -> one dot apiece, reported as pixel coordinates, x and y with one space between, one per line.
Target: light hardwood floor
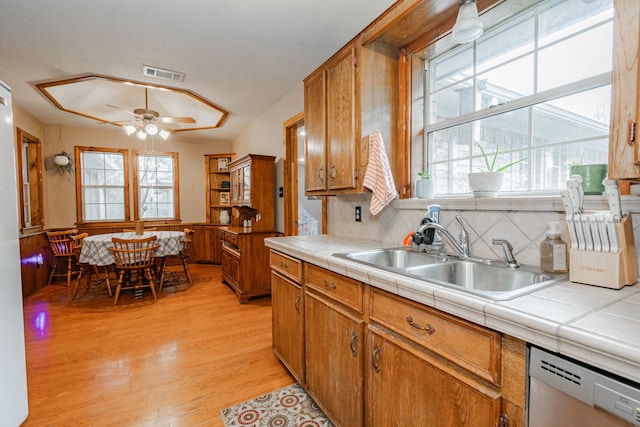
174 362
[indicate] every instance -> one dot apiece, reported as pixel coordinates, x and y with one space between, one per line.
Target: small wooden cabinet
218 193
253 191
405 387
288 313
245 262
334 343
340 112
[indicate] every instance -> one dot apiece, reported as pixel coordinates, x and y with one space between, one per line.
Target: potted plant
425 186
592 176
63 162
489 182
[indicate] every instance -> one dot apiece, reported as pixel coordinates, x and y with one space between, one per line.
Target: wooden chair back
134 254
187 243
61 242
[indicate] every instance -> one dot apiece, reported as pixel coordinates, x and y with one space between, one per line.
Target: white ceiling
242 55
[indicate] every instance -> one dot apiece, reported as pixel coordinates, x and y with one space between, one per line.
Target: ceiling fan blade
122 109
176 120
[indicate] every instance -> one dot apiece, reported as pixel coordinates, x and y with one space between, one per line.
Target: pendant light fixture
468 26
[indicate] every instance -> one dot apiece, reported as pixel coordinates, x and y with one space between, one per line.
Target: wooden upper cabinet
314 122
340 112
624 147
253 191
341 136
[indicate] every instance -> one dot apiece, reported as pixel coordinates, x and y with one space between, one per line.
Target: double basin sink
486 278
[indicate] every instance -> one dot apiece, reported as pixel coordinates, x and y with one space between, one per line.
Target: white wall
265 136
59 190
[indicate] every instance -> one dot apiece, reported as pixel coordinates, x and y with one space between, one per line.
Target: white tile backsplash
524 228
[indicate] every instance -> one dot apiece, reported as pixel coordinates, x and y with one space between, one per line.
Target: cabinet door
406 388
314 123
203 245
246 185
341 120
334 370
624 155
288 316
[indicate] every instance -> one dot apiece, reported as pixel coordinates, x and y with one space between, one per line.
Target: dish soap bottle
553 251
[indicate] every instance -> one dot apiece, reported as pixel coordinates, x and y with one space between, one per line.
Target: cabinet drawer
342 289
231 237
290 267
473 347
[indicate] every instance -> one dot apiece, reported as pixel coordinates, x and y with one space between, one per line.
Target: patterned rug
288 407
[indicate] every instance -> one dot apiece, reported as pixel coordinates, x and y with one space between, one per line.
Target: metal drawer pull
374 358
329 285
332 172
354 337
321 174
283 265
298 300
429 329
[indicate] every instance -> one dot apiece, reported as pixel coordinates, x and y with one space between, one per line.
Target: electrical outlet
358 214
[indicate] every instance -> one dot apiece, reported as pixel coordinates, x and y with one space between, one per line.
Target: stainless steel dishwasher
566 393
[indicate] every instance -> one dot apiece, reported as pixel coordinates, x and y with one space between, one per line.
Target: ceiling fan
146 121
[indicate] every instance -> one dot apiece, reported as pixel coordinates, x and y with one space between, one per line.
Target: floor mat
288 407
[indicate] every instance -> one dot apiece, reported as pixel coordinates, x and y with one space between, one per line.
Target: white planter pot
425 188
485 184
61 160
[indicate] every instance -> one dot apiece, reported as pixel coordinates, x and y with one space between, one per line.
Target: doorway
302 215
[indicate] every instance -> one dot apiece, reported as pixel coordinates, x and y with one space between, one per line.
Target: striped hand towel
378 177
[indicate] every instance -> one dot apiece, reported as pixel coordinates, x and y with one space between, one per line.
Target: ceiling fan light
164 134
468 26
129 129
141 134
151 129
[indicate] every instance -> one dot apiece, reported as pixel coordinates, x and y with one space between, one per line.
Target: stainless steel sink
394 258
488 278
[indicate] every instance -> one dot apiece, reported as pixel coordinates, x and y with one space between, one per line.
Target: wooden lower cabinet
334 360
245 262
405 387
288 324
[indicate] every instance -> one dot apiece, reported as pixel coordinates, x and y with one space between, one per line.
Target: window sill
519 203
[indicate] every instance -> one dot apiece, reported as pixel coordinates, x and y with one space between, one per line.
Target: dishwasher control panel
591 386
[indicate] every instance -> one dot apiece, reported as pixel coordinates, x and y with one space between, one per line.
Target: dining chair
133 230
78 239
64 247
135 256
183 257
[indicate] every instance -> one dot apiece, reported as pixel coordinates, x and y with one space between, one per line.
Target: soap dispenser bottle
553 251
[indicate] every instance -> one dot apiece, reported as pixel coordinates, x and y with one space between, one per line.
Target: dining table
95 248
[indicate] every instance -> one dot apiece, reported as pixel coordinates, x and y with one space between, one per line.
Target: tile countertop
596 325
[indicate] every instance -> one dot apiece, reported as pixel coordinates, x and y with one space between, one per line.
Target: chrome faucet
508 252
462 246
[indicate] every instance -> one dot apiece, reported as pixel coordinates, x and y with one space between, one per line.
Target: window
102 193
156 186
537 86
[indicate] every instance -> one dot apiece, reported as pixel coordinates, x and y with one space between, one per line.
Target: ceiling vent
160 73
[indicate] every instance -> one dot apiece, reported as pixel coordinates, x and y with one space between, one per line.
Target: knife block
610 270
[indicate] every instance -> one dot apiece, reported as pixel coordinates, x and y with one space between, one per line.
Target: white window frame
138 186
530 101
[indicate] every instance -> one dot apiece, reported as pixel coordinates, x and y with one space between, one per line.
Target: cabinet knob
374 358
332 172
352 343
329 285
321 174
298 301
428 329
